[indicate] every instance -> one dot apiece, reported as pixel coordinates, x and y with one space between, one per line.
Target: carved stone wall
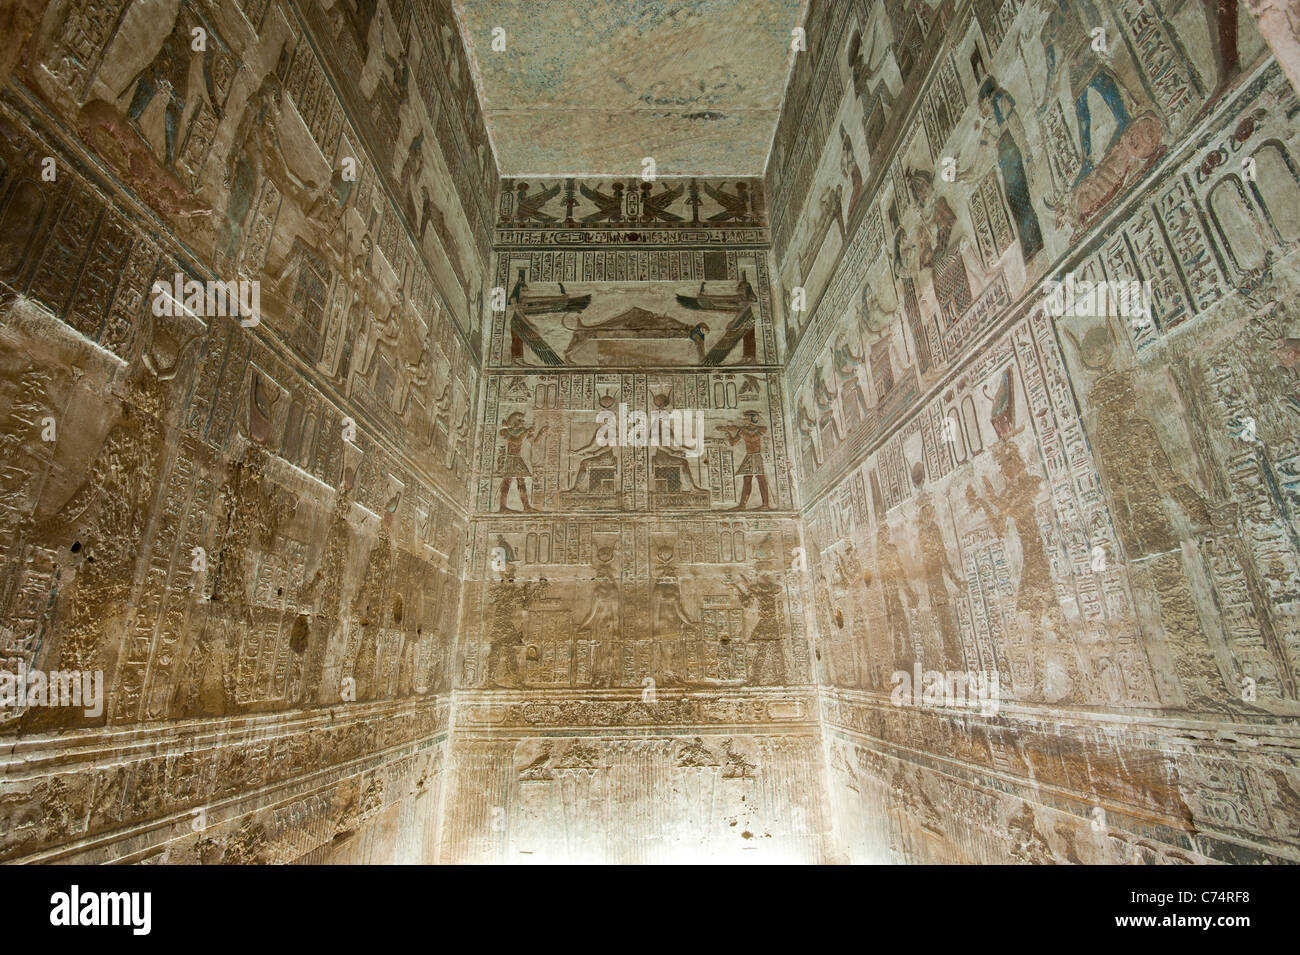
253 529
633 656
1098 506
616 520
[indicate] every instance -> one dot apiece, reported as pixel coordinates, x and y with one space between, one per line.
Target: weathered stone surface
942 558
1097 506
253 530
593 87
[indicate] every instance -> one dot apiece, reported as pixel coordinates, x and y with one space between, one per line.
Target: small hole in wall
397 608
279 591
76 547
298 636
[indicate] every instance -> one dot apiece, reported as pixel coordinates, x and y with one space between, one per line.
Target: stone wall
633 656
252 526
1100 506
387 569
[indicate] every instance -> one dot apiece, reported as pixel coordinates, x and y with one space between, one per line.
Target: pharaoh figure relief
899 463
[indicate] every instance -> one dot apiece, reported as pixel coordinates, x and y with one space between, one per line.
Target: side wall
253 531
1100 508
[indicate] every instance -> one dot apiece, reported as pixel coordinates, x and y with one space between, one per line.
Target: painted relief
967 543
633 442
970 214
625 308
1090 500
635 557
933 498
703 798
686 206
691 602
228 517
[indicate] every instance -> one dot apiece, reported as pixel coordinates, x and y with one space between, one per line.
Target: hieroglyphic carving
202 526
590 603
242 525
1079 502
547 447
732 796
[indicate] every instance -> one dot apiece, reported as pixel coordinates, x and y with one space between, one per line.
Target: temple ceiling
592 87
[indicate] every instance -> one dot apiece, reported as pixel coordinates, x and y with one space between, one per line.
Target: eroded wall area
251 525
634 678
1098 506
